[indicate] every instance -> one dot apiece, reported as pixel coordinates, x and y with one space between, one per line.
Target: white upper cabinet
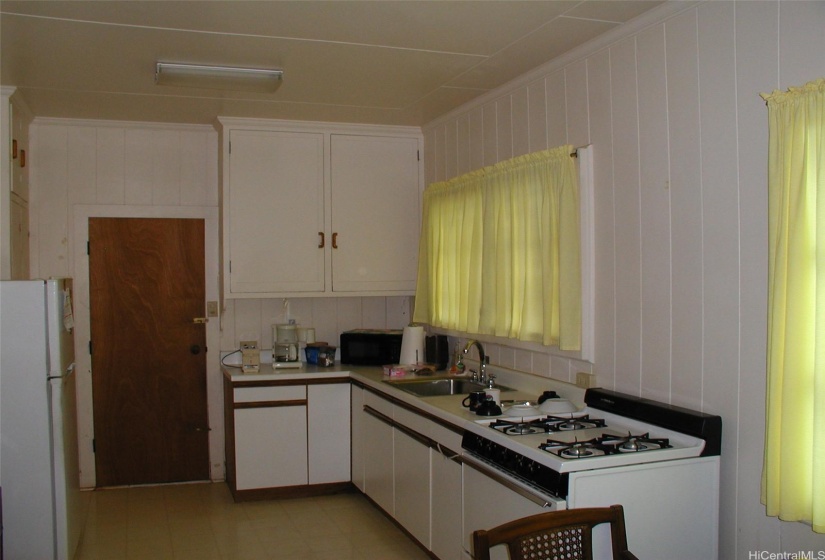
275 211
318 209
375 213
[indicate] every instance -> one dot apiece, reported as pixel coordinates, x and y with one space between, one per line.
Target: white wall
670 104
82 169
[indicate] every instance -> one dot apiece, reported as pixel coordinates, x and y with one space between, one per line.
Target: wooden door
146 283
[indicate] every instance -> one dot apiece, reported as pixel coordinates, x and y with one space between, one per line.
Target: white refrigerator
42 505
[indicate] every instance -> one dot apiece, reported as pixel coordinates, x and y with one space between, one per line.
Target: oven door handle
484 469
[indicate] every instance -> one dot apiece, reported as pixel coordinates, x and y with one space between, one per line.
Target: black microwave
370 347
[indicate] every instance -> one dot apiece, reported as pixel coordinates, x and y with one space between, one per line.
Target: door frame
83 361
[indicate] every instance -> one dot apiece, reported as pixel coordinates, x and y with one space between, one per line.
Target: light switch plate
211 308
585 380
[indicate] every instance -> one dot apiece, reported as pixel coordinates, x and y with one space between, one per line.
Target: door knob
195 349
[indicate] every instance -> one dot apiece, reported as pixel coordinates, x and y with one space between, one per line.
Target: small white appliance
43 508
285 346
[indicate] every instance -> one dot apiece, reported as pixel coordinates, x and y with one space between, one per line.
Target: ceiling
385 62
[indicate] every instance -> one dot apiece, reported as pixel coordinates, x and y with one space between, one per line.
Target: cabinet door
275 205
412 485
270 447
19 240
378 453
329 433
357 446
446 507
375 213
20 120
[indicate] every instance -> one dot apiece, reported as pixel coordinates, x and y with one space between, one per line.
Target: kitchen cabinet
376 215
19 239
15 161
270 437
378 448
274 212
287 438
406 462
21 118
446 483
412 483
329 433
358 419
317 209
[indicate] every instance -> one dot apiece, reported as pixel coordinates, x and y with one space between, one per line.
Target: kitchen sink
441 387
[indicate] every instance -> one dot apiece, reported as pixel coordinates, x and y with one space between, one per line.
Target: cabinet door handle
321 243
335 240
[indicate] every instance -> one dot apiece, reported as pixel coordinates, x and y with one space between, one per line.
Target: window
793 475
500 252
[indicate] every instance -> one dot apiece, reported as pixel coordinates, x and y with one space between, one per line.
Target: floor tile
201 521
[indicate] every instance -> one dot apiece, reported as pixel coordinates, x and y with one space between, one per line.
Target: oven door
492 497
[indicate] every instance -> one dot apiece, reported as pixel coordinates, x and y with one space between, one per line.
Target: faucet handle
491 380
474 375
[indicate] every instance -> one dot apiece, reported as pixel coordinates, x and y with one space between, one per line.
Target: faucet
483 360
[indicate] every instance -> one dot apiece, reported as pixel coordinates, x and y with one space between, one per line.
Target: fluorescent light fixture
218 77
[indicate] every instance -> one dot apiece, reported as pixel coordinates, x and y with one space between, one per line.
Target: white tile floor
200 521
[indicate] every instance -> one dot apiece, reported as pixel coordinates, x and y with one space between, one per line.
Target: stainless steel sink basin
440 387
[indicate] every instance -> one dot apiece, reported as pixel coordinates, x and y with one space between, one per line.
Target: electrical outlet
585 380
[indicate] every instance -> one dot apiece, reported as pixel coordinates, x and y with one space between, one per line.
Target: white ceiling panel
390 62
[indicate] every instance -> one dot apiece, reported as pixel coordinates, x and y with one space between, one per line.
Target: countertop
448 407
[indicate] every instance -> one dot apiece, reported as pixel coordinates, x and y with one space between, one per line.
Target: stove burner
634 444
606 444
566 424
576 450
546 425
519 427
573 425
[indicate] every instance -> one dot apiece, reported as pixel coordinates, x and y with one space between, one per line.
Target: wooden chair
557 535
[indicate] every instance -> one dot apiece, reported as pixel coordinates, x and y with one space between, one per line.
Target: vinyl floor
200 521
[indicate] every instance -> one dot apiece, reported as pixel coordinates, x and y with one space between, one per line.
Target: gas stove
612 452
612 430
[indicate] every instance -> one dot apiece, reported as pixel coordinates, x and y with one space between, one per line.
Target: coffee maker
285 346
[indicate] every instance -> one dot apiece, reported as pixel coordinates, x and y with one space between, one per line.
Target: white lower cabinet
412 485
358 418
446 524
270 439
287 440
378 452
329 435
409 465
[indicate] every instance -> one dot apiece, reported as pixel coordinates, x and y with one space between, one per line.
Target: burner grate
606 444
546 424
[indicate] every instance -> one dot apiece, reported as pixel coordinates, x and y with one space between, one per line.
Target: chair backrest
556 535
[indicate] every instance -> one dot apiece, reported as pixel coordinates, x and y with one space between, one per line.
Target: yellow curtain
500 251
793 475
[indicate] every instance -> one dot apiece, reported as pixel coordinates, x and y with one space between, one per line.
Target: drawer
269 394
378 403
413 421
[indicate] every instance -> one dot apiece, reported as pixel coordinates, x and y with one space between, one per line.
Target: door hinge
90 347
94 446
88 248
418 155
